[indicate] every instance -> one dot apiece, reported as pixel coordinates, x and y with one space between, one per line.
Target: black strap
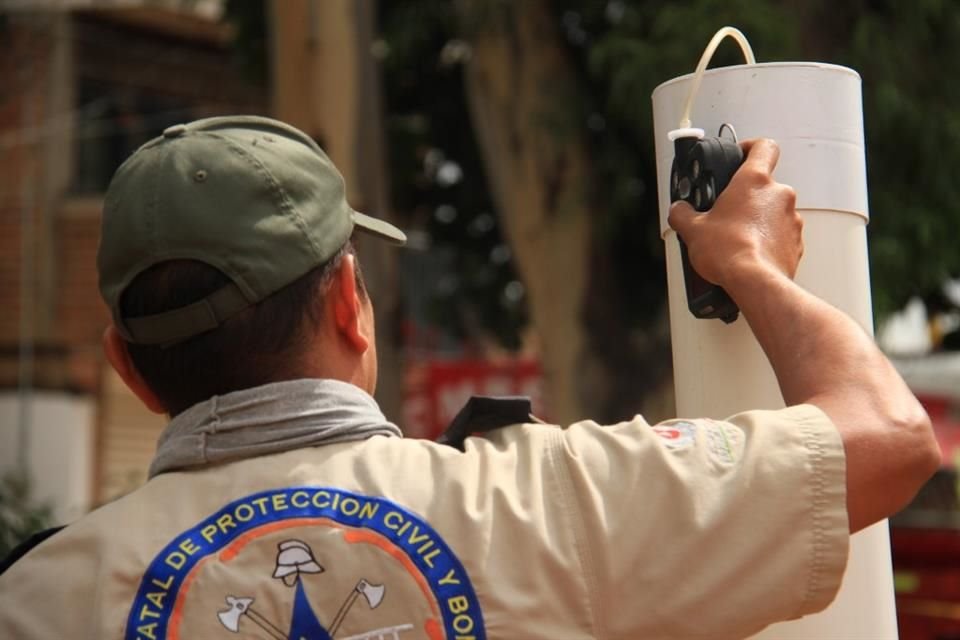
24 547
206 314
484 413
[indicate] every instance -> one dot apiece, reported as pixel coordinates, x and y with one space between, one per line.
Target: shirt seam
816 455
558 462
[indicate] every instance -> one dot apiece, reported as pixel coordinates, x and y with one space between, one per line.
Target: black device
702 169
485 413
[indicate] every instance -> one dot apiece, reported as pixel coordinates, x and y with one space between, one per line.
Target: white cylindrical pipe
814 112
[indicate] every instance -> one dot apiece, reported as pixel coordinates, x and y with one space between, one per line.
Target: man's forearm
814 348
822 357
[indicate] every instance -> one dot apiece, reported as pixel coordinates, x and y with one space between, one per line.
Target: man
282 504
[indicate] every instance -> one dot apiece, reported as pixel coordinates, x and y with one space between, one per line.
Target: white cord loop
731 32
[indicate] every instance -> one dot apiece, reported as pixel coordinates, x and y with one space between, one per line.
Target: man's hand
753 223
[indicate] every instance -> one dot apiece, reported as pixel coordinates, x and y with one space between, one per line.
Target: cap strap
175 325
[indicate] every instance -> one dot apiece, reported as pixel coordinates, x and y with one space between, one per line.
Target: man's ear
348 306
115 348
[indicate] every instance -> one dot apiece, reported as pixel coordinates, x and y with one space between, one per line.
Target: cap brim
379 228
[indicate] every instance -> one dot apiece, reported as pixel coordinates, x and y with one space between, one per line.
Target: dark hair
263 343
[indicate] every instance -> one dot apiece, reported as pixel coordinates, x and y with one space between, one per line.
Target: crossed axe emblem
239 607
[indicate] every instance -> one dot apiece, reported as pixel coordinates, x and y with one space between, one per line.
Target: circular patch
676 435
307 563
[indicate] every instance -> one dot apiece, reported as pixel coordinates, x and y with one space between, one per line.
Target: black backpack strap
24 547
485 413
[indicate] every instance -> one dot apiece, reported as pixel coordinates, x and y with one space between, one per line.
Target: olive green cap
253 197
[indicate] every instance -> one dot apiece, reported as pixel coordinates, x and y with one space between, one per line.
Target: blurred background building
84 87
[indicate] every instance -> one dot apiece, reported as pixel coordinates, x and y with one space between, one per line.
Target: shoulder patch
724 441
307 563
676 435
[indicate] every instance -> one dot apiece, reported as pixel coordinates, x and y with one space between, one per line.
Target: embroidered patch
307 563
677 435
723 441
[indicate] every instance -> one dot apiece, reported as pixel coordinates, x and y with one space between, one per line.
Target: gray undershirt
269 419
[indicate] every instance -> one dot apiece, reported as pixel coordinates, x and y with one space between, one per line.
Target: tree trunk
522 93
519 87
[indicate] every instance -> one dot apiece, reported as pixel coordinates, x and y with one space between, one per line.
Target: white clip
685 132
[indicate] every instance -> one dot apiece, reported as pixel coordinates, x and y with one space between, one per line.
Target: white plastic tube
725 32
814 112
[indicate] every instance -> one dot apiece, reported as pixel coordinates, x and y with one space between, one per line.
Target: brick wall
170 58
56 70
9 272
23 66
80 314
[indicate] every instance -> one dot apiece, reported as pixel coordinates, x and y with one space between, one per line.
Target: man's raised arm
750 244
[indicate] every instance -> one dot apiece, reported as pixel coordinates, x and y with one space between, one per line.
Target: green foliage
653 42
249 21
624 49
911 108
903 51
20 515
428 126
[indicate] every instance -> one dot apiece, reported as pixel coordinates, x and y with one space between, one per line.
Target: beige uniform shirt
688 529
